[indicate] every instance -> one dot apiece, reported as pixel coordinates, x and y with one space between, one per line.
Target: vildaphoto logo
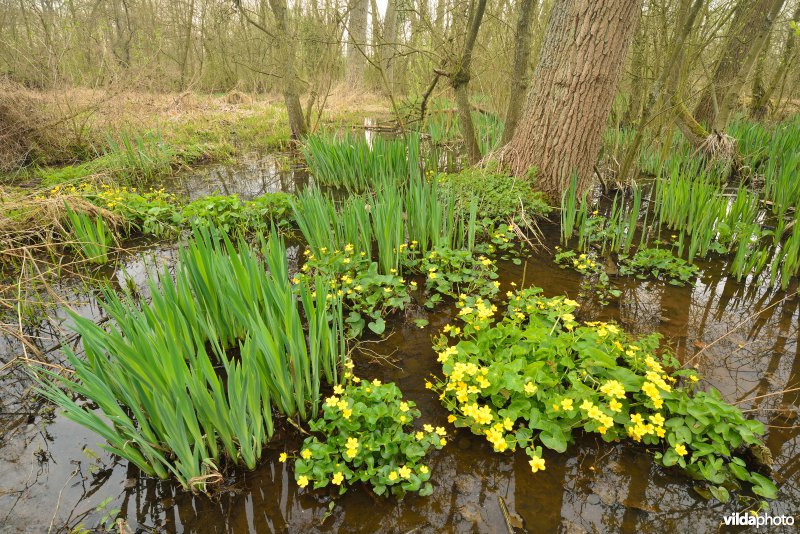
751 519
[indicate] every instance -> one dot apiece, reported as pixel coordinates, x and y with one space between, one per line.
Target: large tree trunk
572 90
291 95
519 77
357 45
746 35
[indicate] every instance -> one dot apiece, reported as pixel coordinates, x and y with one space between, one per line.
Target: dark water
46 477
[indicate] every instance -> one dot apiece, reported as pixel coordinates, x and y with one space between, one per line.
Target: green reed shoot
153 370
90 235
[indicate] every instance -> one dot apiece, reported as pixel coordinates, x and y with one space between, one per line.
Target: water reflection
593 487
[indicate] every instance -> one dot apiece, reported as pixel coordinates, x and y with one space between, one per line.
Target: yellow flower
613 389
441 431
637 418
566 403
530 388
428 385
432 276
660 432
442 442
419 435
423 469
338 389
346 413
376 382
402 418
306 454
615 405
393 476
680 449
332 401
451 418
657 419
282 458
337 478
404 471
693 378
302 481
427 428
537 464
403 406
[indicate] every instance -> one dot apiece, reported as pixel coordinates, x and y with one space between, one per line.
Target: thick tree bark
745 37
357 44
572 90
286 51
519 76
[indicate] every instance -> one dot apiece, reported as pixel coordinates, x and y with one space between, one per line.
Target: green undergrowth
753 222
534 377
154 371
161 214
501 197
367 434
354 163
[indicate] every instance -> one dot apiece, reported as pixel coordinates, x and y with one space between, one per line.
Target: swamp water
54 475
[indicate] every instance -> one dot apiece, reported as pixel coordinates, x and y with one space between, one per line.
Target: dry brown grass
26 129
28 219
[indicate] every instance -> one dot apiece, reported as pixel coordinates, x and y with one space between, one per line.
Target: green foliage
595 282
158 213
152 372
90 235
443 125
501 197
367 295
354 163
454 272
658 263
366 434
536 376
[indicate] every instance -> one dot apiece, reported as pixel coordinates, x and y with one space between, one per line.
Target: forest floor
74 126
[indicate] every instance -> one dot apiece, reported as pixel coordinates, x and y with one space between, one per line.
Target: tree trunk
573 87
286 52
519 76
761 99
743 35
763 27
459 80
356 46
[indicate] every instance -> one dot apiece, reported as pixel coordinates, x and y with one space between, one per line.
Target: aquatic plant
658 263
153 370
500 197
366 434
367 296
352 162
532 377
595 282
91 236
